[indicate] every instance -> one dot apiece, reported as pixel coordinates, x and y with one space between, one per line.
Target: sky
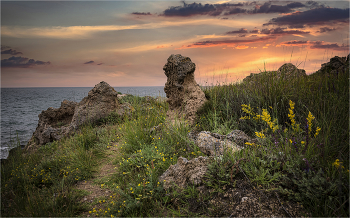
127 43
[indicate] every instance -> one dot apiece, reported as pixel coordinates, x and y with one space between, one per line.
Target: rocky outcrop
213 144
286 71
185 172
335 65
183 93
100 102
289 71
55 123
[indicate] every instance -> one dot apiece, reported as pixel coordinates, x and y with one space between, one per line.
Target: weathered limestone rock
183 93
335 65
289 71
213 144
53 122
286 71
100 102
56 123
185 172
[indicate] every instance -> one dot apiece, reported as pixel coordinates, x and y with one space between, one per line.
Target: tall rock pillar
184 95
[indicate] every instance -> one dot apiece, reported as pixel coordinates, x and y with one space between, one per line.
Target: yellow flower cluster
260 134
338 164
309 119
252 144
291 115
317 131
267 118
248 110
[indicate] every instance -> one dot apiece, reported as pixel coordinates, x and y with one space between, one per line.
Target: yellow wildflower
318 129
309 119
260 134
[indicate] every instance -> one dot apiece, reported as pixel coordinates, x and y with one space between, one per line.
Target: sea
20 108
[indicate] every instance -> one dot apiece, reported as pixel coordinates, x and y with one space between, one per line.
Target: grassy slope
42 184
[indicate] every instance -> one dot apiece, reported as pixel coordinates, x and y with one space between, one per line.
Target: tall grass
41 183
324 189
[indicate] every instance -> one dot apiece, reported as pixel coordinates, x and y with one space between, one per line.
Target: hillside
296 165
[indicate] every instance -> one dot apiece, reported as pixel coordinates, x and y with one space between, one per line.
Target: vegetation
302 153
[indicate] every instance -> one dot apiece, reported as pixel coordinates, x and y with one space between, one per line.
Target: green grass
289 161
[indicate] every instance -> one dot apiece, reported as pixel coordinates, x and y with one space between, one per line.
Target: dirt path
99 191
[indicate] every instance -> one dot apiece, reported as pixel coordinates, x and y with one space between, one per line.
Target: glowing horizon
79 44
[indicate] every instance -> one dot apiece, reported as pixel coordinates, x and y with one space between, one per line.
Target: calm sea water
20 108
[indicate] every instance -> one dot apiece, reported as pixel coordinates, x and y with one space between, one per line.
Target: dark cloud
7 50
11 52
317 16
268 8
89 62
294 42
190 9
313 4
334 46
21 62
242 30
210 43
3 47
254 31
229 5
326 29
236 11
229 8
241 35
295 5
100 64
141 13
282 31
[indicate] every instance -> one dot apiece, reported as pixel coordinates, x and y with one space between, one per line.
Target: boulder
213 144
53 123
289 71
183 93
335 65
185 172
100 102
286 71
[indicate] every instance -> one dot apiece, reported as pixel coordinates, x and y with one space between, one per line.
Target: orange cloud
242 47
161 46
228 42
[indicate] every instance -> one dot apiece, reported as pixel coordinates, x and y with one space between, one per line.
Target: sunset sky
127 43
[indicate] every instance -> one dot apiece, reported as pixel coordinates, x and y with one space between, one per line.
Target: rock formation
286 72
185 172
100 102
192 171
289 71
213 144
54 123
183 93
335 65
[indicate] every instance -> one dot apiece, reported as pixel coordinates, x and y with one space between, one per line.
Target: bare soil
96 191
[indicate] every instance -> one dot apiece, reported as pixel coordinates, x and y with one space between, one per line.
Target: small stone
185 172
244 199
